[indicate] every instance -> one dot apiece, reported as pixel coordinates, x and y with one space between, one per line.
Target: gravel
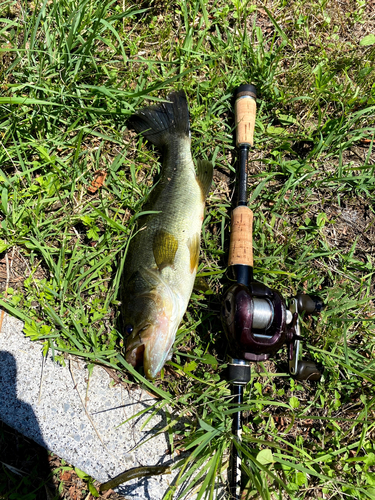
77 416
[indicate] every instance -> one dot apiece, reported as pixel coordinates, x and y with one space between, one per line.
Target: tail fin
157 123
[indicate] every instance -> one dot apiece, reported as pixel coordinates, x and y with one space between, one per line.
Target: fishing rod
256 319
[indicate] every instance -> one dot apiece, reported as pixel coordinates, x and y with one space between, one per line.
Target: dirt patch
15 268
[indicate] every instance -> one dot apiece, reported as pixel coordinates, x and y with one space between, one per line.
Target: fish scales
163 256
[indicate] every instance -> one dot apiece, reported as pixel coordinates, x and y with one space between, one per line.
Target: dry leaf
97 182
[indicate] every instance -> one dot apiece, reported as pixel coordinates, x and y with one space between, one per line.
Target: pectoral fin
205 172
201 285
193 245
164 247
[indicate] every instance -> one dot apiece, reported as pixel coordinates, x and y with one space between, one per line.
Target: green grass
72 72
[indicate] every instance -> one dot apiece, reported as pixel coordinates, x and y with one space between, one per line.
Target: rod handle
241 237
245 110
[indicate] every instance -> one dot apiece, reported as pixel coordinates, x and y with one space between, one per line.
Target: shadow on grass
24 467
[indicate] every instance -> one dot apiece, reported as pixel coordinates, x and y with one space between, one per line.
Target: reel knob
307 370
309 303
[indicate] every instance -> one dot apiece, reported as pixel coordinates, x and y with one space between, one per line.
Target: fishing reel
258 323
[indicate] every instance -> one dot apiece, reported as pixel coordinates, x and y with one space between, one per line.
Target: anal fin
193 244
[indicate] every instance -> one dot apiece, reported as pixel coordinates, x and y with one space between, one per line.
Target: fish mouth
135 356
150 348
135 347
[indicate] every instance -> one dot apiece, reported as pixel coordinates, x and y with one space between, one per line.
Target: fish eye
129 329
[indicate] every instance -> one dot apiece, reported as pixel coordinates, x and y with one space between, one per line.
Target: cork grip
245 111
241 238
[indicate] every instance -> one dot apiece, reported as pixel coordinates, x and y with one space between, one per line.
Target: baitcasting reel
258 323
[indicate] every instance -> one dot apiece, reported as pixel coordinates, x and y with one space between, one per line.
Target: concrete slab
57 407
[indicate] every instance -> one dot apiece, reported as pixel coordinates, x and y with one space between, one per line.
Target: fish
162 260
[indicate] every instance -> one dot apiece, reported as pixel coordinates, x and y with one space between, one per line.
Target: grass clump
72 72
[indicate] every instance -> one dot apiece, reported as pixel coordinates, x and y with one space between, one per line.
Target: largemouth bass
163 256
